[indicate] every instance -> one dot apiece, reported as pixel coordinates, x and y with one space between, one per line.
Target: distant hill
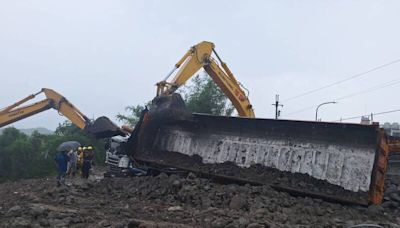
29 131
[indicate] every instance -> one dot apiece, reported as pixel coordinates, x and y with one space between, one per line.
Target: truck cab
117 159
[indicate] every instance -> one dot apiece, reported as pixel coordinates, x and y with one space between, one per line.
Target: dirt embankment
178 201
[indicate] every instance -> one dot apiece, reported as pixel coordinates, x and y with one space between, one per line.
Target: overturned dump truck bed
333 161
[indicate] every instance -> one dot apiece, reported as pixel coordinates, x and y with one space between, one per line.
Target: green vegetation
23 156
202 96
133 115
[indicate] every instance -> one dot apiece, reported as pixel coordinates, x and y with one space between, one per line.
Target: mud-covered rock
375 210
395 196
58 223
175 208
21 222
255 225
132 223
237 202
37 210
104 223
219 223
243 221
15 210
44 222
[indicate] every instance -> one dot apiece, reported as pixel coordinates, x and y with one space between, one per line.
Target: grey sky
105 55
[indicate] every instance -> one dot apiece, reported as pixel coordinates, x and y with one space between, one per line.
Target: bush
23 156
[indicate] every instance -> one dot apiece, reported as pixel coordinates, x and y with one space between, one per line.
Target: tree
202 95
134 114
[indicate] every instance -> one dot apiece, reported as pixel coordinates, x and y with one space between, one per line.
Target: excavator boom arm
67 109
53 99
14 115
102 127
199 56
231 89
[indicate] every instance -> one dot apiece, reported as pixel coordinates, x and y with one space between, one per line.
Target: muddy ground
178 201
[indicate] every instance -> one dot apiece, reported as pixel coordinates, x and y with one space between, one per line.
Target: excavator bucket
103 127
338 162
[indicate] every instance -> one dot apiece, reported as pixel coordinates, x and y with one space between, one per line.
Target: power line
371 89
343 80
302 110
374 114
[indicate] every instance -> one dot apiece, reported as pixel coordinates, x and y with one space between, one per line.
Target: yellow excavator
197 57
100 128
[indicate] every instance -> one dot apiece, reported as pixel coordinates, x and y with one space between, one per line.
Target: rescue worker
91 153
61 161
80 157
73 159
87 162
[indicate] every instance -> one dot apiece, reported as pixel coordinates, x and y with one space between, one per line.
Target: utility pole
277 105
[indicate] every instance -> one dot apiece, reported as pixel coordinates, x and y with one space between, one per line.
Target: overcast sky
106 55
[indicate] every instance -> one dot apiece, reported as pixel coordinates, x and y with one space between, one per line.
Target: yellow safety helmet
84 148
90 148
79 148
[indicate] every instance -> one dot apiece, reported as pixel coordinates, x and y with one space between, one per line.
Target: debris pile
279 180
179 201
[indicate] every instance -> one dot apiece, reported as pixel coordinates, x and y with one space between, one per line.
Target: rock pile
179 201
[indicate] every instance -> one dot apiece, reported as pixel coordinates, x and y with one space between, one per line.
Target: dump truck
341 162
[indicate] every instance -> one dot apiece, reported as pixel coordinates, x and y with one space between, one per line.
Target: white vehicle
117 159
120 165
